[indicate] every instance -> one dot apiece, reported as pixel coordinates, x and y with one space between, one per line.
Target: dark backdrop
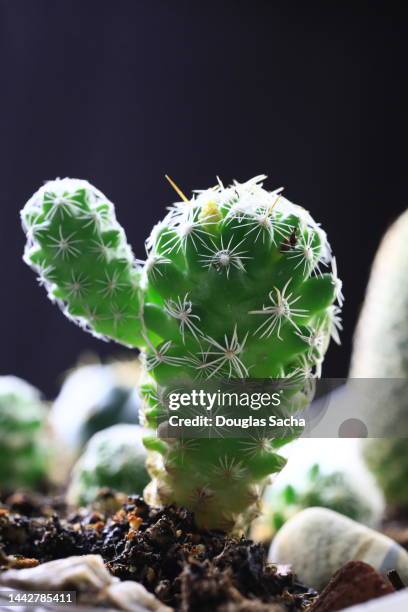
120 92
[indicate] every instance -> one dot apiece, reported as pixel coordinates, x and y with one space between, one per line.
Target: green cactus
115 458
387 459
232 287
381 351
331 490
23 451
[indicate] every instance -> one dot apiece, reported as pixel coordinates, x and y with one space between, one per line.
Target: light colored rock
133 597
317 542
87 575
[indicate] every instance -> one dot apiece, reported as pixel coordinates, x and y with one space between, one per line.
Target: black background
120 92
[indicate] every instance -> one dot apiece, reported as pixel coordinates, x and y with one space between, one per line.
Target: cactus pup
238 282
113 457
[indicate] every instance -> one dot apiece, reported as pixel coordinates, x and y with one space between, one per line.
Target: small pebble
354 583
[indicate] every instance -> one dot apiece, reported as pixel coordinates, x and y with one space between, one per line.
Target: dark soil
189 569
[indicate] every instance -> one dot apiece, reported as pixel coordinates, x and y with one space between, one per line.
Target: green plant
115 458
331 490
232 287
387 459
23 451
381 351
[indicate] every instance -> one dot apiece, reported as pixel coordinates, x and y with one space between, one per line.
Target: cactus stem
214 261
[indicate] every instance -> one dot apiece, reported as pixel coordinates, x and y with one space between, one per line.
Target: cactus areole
233 286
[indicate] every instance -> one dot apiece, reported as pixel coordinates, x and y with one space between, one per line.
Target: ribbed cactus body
381 351
233 287
82 257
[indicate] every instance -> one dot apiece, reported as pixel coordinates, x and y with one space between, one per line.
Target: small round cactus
381 351
331 490
114 457
234 286
23 450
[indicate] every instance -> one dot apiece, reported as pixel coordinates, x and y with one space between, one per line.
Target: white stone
133 597
87 575
317 542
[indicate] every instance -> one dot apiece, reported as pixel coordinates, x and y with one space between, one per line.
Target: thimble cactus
331 490
381 351
23 451
115 458
233 286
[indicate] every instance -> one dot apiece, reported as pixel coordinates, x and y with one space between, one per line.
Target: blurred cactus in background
387 459
233 286
331 490
115 458
24 453
93 397
381 351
